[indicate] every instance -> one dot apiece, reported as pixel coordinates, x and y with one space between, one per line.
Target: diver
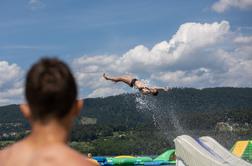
133 82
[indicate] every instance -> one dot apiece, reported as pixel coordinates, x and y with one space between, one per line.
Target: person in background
90 155
52 105
133 82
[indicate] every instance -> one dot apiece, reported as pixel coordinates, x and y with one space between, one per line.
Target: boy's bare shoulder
1 155
77 158
50 155
5 154
6 151
62 155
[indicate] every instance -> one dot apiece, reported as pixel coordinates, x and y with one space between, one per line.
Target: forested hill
134 110
154 119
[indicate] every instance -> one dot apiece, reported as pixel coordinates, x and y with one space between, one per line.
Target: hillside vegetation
135 124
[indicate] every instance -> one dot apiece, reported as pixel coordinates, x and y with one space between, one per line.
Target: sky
175 43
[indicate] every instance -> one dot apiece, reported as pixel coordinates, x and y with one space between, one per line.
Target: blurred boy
52 105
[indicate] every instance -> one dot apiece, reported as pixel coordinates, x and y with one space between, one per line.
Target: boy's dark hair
50 89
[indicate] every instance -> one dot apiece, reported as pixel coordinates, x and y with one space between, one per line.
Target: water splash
174 120
145 103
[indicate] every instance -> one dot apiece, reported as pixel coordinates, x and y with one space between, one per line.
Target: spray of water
150 104
162 114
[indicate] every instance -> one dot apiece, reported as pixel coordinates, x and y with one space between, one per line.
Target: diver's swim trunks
133 82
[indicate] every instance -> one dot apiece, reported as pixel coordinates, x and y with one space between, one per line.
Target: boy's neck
50 133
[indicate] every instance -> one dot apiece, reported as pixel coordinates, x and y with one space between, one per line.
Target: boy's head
50 89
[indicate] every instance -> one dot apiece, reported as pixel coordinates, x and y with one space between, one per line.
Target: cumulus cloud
189 39
243 39
222 5
198 77
198 55
36 4
103 92
10 83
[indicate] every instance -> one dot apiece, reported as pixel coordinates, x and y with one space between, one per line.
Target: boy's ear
80 104
77 107
26 111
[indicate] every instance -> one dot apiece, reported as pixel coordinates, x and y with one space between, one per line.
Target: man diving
133 82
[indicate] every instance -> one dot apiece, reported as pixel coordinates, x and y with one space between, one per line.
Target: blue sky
79 30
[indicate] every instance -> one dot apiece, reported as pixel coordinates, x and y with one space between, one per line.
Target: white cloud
36 4
195 78
89 70
189 38
223 5
103 92
10 83
243 52
243 39
198 55
236 73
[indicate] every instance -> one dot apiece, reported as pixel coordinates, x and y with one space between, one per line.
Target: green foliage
122 125
82 147
4 144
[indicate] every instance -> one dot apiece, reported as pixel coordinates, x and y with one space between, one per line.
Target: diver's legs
125 79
